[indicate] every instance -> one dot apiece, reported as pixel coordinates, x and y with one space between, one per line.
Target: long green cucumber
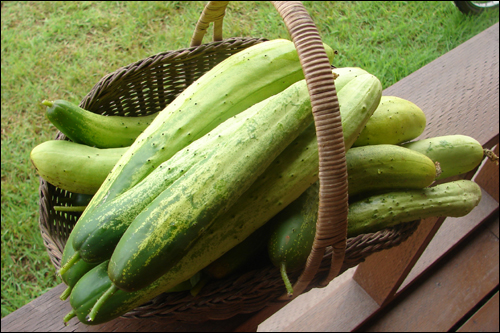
369 168
72 166
283 182
396 120
92 129
453 199
456 154
294 228
382 167
161 234
98 285
104 228
232 86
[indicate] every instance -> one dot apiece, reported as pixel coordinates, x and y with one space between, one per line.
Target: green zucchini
382 167
72 166
395 121
162 233
242 80
456 154
95 130
283 181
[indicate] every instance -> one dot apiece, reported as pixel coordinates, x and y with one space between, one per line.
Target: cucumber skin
109 223
74 167
456 154
91 129
293 231
384 166
161 234
297 168
232 86
294 228
452 199
369 168
110 220
395 121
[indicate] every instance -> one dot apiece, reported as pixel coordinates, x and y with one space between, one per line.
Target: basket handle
214 11
331 226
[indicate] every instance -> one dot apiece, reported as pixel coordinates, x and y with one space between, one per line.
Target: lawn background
59 50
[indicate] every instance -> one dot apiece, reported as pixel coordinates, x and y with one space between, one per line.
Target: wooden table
452 263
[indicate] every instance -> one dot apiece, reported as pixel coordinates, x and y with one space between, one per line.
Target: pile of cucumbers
229 171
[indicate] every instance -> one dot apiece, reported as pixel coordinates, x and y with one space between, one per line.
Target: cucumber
162 233
452 199
288 176
294 228
112 218
292 234
395 121
97 285
242 80
369 169
382 167
78 269
456 154
91 129
345 75
103 229
74 167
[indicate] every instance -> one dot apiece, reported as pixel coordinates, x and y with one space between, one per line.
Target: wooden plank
485 319
45 314
302 304
350 300
452 231
448 292
382 273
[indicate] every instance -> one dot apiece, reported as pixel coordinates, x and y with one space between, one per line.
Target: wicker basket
147 86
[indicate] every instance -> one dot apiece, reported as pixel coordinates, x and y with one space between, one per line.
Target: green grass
59 50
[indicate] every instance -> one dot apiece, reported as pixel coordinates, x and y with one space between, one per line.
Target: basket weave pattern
146 87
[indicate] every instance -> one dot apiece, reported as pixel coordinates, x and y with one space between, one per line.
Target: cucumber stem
69 208
70 263
67 317
93 312
47 103
65 294
284 276
491 155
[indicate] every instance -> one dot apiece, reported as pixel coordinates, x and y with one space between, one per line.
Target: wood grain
485 319
448 292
